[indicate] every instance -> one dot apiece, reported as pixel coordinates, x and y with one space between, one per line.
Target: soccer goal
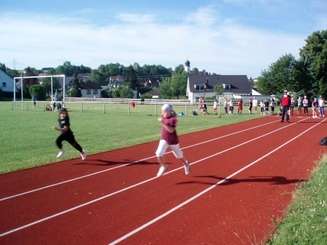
21 78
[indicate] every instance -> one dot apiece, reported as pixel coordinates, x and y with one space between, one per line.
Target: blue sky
229 37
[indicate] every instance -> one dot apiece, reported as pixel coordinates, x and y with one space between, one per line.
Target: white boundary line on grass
207 190
148 180
126 164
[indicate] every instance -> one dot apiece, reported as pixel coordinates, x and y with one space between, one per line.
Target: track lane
178 177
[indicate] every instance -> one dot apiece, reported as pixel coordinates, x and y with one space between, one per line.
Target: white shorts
162 147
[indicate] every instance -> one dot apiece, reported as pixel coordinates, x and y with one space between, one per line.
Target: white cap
166 107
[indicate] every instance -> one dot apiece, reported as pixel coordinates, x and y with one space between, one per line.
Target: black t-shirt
63 123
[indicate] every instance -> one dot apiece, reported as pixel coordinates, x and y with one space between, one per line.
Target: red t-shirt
286 101
170 138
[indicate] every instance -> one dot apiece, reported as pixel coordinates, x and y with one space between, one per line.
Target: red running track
242 178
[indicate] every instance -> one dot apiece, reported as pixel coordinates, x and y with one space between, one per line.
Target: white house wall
6 80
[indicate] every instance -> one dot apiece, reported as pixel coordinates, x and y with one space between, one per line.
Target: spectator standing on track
314 106
66 134
240 106
285 105
321 103
305 104
299 106
255 105
169 138
292 106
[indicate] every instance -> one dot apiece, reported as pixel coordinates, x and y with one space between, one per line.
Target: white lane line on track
138 184
127 164
208 189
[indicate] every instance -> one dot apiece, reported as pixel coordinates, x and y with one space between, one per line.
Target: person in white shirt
255 105
305 104
299 106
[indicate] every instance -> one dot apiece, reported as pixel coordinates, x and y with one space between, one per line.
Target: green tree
314 56
97 77
178 84
46 83
164 90
131 79
39 91
279 76
74 90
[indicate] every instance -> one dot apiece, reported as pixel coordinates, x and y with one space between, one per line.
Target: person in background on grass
169 138
66 134
285 106
34 101
215 103
226 106
321 103
250 106
305 104
266 103
255 105
262 107
272 106
299 106
314 106
240 106
231 106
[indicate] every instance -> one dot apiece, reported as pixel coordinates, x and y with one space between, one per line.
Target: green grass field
28 141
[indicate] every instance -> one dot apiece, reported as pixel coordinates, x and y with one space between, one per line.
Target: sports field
242 179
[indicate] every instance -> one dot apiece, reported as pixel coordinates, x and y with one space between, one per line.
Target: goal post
21 78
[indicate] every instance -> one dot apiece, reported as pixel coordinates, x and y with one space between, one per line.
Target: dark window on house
95 91
88 91
4 84
227 86
199 87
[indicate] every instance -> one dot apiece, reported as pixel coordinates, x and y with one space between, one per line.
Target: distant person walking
169 138
34 101
66 134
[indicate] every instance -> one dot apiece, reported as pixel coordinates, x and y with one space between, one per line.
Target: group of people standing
317 106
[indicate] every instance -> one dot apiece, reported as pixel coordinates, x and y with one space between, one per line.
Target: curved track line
126 164
148 180
207 190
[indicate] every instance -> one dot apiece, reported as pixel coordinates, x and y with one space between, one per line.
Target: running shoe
162 169
60 154
187 168
83 155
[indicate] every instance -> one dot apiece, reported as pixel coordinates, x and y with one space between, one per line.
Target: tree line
304 76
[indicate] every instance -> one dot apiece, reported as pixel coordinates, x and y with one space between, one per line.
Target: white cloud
204 37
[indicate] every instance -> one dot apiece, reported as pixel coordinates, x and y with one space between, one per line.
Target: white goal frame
25 77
